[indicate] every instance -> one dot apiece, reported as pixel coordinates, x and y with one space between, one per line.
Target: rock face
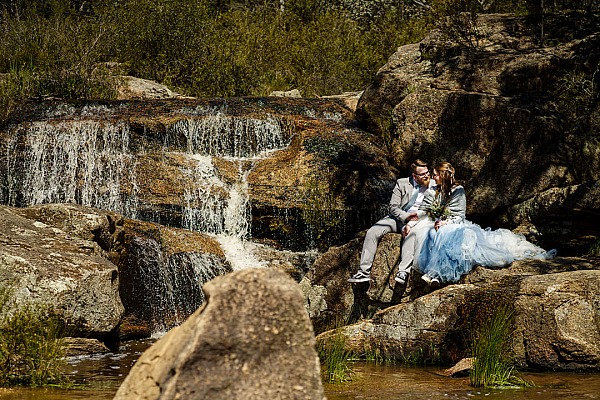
484 96
160 269
251 340
555 306
46 265
295 172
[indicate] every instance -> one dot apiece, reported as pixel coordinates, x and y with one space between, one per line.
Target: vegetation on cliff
210 48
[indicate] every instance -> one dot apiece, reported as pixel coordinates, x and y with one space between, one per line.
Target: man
406 198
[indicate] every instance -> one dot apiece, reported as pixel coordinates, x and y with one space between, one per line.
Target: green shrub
31 352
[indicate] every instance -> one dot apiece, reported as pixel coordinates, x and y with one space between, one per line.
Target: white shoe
430 280
401 277
360 277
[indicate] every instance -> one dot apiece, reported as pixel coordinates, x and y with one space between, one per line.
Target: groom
406 198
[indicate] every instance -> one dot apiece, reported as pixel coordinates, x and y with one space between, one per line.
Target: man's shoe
360 277
401 277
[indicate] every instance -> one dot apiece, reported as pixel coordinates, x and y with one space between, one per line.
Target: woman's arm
457 205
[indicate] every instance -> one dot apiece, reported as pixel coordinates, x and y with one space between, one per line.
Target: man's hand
411 217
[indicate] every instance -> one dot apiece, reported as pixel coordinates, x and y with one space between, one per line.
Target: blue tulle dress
453 250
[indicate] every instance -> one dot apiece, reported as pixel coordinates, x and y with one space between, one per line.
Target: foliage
594 249
321 213
335 359
423 356
189 45
31 352
492 367
63 48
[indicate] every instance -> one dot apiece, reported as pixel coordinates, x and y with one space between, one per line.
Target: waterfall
214 206
237 137
83 162
166 289
211 204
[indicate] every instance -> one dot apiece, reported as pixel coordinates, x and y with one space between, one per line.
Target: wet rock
160 269
83 346
460 368
301 165
251 339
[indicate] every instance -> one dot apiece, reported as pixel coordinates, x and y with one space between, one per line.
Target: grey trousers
411 245
374 235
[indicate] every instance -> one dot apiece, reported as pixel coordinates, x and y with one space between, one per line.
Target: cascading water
165 289
69 159
83 162
211 204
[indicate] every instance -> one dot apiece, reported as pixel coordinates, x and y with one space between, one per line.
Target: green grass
492 366
336 363
31 351
594 249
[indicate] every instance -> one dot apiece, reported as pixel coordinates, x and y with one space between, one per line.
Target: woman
455 245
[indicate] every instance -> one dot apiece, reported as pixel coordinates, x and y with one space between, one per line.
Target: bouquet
438 210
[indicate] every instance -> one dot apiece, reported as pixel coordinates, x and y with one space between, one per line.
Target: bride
453 245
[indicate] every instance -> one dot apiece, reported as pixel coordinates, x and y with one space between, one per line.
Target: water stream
102 375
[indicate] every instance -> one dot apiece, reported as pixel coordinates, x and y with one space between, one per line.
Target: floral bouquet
438 210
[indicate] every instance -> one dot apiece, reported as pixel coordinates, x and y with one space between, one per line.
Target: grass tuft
492 366
336 364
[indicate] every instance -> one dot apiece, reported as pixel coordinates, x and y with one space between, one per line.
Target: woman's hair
448 181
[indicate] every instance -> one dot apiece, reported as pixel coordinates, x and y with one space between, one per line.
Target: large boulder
160 269
252 339
520 122
331 300
45 265
555 306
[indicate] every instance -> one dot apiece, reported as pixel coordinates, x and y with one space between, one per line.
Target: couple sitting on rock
437 239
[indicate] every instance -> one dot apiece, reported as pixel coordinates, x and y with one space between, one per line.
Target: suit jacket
400 197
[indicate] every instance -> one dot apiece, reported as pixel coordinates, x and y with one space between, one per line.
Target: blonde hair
448 180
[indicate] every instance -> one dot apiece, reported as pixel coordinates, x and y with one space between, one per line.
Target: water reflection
387 382
100 377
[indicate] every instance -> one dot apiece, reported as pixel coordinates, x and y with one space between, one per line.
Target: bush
31 352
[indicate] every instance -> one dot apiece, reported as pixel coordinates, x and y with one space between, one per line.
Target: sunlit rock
45 265
251 340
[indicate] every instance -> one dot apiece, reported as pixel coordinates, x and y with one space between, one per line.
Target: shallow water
102 375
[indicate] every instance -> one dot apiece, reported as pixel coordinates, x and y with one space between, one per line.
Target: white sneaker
430 280
360 276
401 277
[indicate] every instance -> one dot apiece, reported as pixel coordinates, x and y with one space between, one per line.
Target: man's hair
418 163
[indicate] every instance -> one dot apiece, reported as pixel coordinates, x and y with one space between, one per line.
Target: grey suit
393 222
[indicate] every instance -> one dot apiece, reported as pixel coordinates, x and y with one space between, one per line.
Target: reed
492 366
336 363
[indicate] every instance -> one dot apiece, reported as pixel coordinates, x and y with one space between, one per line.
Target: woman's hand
439 223
405 230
